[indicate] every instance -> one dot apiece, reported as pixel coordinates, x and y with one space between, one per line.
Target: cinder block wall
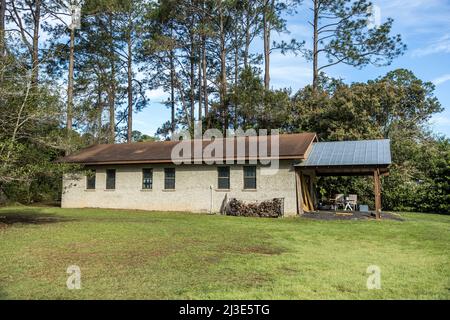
192 188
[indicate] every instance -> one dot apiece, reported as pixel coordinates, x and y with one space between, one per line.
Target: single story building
144 176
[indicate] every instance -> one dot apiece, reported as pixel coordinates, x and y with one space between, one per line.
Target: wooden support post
298 185
377 192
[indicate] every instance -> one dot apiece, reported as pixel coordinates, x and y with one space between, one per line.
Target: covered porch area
369 158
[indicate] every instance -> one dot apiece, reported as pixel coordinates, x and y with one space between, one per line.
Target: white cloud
138 122
295 73
157 95
441 45
410 5
441 79
418 22
296 31
441 124
415 14
289 71
440 120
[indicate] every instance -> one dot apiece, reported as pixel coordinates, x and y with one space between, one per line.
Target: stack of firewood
268 209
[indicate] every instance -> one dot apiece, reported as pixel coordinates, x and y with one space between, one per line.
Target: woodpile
268 209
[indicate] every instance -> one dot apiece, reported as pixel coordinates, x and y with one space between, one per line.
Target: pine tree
341 34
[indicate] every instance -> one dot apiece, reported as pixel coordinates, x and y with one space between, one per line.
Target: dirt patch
257 249
27 218
138 255
213 259
343 288
331 215
263 250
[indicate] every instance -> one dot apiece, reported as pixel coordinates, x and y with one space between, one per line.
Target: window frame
107 185
144 184
226 178
93 176
246 178
167 179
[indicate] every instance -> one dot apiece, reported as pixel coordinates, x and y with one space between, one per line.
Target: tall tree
26 16
342 35
58 10
268 8
251 26
223 20
111 41
99 71
132 13
272 12
160 49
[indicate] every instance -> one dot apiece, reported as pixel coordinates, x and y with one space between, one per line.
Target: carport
342 158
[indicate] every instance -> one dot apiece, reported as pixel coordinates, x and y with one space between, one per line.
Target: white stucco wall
192 191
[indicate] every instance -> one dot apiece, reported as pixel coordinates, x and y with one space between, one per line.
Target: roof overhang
165 161
290 147
350 170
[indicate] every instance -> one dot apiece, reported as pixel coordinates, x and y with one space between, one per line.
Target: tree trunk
377 193
130 91
200 89
112 89
112 115
266 35
70 87
223 71
130 87
236 77
70 81
35 53
236 61
205 82
247 37
99 115
192 81
2 27
172 92
315 46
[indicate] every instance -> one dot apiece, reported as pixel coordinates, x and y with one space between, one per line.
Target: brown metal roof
292 146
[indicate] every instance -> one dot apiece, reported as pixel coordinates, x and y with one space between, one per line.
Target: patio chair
351 202
337 201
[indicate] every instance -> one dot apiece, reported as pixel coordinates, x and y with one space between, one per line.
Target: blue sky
423 24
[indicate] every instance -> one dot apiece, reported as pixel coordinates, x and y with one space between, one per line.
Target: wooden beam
314 190
298 185
339 170
377 192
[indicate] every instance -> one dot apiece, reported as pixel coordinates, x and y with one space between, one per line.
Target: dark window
110 179
169 178
90 180
147 178
223 177
250 177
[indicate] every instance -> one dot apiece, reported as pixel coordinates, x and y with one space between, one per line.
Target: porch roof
348 157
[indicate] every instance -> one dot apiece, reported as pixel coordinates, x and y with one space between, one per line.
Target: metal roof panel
343 153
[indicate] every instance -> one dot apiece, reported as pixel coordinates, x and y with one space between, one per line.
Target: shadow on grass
3 295
349 215
23 217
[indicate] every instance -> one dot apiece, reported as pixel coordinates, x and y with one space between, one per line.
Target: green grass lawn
158 255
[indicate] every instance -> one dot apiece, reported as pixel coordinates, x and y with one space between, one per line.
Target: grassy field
152 255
